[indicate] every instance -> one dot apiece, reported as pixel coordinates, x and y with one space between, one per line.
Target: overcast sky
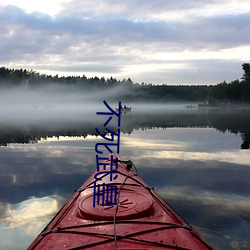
154 41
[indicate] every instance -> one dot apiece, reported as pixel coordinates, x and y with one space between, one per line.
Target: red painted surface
142 220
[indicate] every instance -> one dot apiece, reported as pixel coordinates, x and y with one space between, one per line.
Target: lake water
197 160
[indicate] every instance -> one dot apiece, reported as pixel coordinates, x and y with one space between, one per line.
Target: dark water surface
193 158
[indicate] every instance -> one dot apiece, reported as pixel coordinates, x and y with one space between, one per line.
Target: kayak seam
126 237
117 207
120 222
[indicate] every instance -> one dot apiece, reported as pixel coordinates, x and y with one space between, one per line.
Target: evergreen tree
246 69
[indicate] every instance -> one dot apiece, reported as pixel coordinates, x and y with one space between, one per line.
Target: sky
152 41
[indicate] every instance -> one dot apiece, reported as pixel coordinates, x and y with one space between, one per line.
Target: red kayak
119 213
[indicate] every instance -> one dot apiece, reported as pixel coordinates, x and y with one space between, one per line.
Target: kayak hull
141 220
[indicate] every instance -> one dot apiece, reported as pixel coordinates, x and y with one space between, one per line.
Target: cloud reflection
187 144
28 212
222 156
22 222
228 203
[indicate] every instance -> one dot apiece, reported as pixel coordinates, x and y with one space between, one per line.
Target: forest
224 93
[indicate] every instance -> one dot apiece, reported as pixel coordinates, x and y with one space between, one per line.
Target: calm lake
198 160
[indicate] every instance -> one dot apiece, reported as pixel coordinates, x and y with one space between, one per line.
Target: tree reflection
233 121
246 141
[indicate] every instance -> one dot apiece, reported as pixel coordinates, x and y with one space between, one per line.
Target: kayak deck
142 220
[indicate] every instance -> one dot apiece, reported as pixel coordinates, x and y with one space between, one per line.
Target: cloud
143 10
115 38
225 31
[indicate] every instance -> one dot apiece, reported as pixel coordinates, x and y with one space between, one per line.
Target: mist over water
55 102
59 107
60 102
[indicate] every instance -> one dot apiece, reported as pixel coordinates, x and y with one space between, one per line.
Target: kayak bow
140 220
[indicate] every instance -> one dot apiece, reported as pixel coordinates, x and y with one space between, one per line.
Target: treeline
237 91
234 92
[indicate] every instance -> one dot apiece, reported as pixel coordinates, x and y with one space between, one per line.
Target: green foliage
222 93
246 75
234 92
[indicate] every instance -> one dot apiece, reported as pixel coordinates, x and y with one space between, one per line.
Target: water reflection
195 166
234 121
20 222
31 210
